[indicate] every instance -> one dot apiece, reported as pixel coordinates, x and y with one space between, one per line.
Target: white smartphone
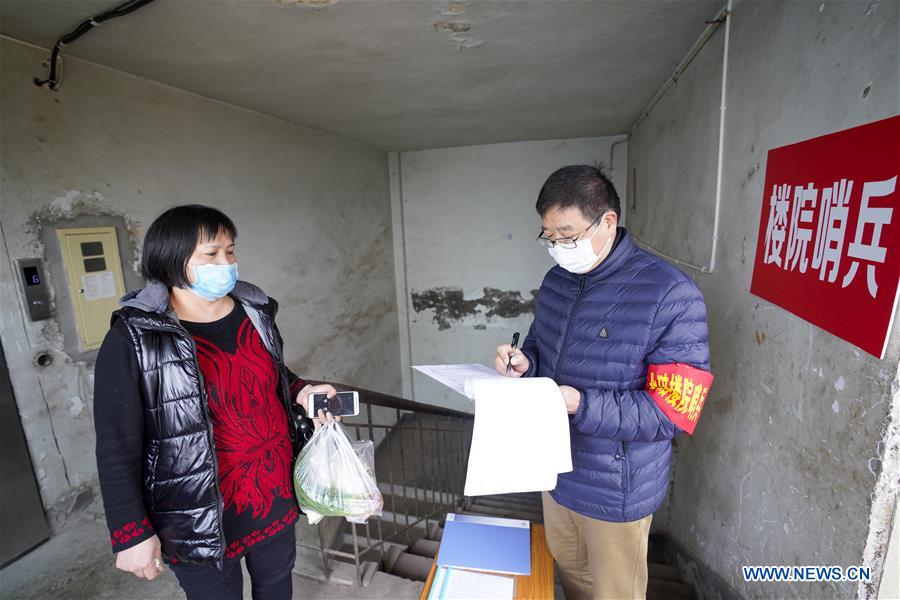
345 404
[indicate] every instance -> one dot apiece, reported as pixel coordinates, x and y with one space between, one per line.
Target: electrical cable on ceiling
724 17
52 81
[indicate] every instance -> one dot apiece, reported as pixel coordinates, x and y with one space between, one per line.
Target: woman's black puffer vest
180 471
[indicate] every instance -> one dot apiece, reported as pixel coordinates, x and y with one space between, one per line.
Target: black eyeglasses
565 242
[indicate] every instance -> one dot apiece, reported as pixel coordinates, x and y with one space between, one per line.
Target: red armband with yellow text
680 391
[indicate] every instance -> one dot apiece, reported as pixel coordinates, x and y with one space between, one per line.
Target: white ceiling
393 73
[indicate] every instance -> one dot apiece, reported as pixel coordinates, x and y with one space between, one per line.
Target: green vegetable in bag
330 478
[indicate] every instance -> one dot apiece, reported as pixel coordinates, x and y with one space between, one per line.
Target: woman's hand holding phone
303 400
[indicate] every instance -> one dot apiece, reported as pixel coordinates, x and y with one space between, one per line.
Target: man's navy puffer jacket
598 332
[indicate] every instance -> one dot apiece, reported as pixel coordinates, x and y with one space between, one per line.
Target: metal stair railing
438 439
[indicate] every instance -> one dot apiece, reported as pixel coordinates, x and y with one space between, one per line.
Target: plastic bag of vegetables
332 477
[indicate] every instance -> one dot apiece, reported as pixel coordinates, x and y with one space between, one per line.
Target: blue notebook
486 544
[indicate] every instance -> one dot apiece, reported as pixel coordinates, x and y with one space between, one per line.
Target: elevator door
22 518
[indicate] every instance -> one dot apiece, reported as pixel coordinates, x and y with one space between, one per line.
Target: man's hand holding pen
509 356
512 362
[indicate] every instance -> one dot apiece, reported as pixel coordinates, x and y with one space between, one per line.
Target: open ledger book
520 441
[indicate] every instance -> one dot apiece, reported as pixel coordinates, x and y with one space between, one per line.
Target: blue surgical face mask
212 282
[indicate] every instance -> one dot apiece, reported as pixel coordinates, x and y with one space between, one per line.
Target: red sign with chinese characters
829 238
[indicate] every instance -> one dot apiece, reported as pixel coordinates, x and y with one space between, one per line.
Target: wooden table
537 586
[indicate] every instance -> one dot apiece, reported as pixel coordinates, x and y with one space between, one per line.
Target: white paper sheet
465 585
456 376
520 441
97 286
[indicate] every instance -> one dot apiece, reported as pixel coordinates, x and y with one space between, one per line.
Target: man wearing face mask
624 335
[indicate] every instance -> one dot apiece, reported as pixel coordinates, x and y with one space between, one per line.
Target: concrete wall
890 579
787 455
313 214
472 264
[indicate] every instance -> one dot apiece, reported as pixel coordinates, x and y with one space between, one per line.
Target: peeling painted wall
472 265
786 458
313 214
450 306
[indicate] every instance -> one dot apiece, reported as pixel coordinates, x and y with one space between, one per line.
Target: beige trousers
597 559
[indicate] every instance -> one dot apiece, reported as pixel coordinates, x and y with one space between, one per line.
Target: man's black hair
584 186
172 237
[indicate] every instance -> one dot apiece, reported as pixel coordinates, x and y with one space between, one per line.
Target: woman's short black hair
172 237
584 186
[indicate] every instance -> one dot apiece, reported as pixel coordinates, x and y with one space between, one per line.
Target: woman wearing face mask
196 420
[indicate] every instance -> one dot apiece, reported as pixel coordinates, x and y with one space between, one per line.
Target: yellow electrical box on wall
94 273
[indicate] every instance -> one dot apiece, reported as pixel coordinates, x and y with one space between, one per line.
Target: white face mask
581 258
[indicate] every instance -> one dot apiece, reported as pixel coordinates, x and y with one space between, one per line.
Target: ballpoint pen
515 344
